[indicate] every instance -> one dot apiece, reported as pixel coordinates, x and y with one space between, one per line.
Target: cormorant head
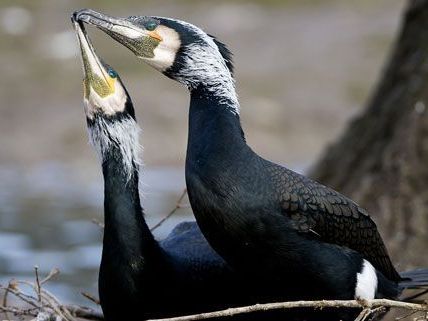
176 48
112 127
104 92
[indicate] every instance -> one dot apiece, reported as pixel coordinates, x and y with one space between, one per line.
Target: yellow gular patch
102 86
112 83
105 99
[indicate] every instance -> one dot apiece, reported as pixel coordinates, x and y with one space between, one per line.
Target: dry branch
370 306
84 312
38 301
51 306
91 298
178 205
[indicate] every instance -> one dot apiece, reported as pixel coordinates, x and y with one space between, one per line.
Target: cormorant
140 278
295 237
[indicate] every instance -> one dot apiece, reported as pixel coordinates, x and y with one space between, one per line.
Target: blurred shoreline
302 71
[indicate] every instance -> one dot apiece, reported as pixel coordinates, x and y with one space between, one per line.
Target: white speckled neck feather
204 65
121 133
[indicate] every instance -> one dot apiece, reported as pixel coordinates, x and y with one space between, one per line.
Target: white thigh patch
366 282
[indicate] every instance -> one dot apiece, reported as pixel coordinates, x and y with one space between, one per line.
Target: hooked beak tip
76 14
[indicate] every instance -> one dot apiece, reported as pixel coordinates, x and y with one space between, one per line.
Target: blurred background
303 68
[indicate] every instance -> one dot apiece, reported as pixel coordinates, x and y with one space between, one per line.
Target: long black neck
215 131
127 237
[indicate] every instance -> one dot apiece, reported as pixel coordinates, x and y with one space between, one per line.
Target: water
46 218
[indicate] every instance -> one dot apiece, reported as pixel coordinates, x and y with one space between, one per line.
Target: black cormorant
139 277
296 237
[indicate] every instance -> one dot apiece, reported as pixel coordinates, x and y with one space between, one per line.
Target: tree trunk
381 161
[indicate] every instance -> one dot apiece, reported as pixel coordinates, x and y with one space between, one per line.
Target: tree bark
381 161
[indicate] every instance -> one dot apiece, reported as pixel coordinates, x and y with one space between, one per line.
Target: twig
75 311
302 304
54 272
84 312
378 312
6 292
91 298
69 312
98 223
18 311
39 296
364 314
372 313
54 304
22 296
43 301
177 206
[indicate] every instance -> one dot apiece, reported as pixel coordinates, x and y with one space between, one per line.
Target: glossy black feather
315 208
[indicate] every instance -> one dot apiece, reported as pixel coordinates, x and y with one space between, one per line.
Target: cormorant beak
96 76
135 37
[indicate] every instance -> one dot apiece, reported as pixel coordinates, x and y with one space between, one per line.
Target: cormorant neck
215 131
125 227
126 234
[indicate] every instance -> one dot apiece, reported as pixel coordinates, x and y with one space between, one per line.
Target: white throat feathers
105 134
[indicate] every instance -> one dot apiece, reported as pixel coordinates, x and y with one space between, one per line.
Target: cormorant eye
112 73
151 25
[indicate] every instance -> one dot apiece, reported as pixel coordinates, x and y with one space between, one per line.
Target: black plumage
295 238
330 216
141 278
257 214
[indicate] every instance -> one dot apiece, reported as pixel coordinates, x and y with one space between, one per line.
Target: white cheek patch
164 53
108 105
366 282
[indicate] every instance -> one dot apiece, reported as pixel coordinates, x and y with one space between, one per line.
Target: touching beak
111 25
95 75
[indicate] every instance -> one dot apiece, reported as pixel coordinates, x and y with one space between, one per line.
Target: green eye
151 25
112 73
